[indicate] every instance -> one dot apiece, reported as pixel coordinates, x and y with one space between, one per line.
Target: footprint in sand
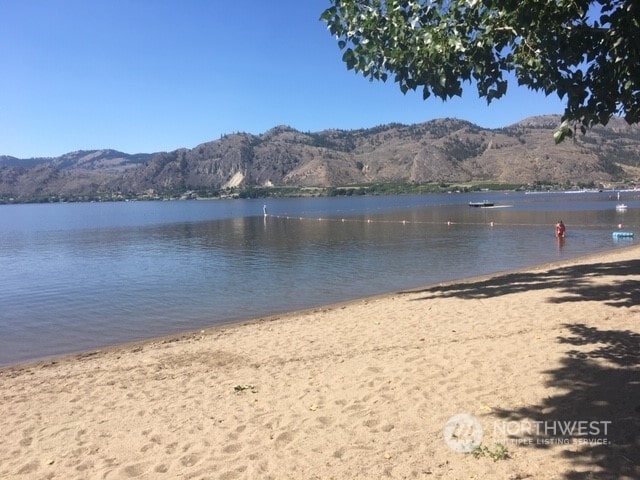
232 448
25 442
325 421
371 422
190 460
354 409
29 468
171 448
284 439
135 470
387 427
147 447
79 436
233 473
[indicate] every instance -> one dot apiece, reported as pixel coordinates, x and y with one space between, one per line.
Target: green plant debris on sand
241 388
499 453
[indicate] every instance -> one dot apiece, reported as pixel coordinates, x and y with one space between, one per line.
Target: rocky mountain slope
445 150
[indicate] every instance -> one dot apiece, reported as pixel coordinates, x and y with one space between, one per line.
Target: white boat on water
620 207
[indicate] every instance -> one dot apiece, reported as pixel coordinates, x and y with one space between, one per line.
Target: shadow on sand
600 372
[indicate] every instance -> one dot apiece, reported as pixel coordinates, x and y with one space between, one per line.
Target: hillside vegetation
444 150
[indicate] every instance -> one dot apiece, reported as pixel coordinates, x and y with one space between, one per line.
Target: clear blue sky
156 75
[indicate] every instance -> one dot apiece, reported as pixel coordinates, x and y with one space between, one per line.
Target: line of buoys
368 220
419 222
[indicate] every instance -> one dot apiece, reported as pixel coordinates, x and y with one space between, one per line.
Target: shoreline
180 335
359 389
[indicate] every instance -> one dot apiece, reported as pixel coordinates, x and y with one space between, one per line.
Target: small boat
620 207
622 234
483 204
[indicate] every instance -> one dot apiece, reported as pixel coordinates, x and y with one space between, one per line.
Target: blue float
622 234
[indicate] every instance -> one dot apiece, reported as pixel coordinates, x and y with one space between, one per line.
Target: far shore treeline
444 155
292 192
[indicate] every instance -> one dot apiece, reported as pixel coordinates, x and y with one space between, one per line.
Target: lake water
80 276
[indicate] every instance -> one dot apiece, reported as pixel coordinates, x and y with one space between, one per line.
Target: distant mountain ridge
443 150
88 159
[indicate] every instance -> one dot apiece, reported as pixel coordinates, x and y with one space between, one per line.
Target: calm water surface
81 276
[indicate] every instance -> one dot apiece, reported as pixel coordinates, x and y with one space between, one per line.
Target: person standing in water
560 229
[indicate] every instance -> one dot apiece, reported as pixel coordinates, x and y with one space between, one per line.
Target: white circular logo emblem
463 433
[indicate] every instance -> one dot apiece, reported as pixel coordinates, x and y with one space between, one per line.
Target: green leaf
350 59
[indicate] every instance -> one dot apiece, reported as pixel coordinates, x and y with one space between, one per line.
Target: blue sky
157 75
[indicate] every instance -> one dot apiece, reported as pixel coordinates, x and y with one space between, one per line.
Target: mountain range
443 150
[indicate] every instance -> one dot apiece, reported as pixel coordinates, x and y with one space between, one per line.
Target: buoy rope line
423 222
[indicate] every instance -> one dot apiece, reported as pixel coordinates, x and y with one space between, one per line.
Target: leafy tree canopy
586 52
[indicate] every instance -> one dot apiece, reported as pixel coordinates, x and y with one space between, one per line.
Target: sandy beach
537 372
